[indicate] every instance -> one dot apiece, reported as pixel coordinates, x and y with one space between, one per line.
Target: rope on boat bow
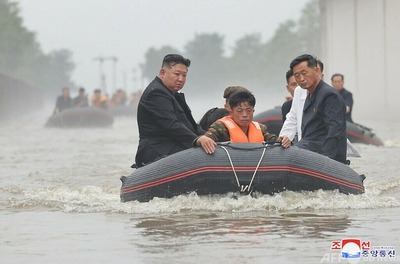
244 188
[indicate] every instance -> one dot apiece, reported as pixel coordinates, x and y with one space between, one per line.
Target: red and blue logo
351 248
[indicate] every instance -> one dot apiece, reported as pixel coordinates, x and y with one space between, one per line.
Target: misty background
49 44
46 45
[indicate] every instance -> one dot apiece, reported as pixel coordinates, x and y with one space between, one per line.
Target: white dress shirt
292 124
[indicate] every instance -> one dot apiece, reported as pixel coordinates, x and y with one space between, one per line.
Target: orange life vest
238 136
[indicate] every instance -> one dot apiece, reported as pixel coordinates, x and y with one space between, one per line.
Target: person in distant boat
338 83
99 100
324 114
291 84
165 121
63 102
81 100
238 126
134 98
216 113
118 98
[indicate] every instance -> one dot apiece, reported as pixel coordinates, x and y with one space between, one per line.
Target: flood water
59 203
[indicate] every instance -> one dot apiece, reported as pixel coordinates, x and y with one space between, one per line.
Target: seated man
64 101
238 126
81 100
291 85
216 113
118 98
134 98
323 125
292 121
99 100
165 121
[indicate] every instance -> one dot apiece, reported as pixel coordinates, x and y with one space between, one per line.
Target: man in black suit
291 85
165 121
324 113
337 83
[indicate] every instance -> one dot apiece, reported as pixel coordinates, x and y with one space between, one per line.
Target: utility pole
124 81
114 72
102 83
134 78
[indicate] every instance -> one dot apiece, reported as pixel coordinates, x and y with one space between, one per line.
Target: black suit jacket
324 123
165 122
348 99
286 108
211 116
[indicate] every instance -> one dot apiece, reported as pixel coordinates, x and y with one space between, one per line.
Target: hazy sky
128 28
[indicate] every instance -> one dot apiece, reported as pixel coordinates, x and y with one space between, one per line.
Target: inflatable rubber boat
356 133
239 168
122 110
81 117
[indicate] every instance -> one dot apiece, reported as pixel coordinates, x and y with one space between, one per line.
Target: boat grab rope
244 188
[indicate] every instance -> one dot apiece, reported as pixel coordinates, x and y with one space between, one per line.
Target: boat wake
392 143
89 198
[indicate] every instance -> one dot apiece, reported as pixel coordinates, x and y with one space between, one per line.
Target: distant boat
356 133
81 117
239 168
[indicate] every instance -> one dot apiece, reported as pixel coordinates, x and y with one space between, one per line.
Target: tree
153 60
309 28
207 70
252 62
290 40
17 44
59 70
21 56
245 63
278 53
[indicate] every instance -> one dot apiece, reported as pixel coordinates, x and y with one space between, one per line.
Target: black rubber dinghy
272 118
81 117
356 133
239 168
122 110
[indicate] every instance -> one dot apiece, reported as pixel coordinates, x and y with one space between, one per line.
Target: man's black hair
289 74
311 61
321 65
241 97
173 59
337 74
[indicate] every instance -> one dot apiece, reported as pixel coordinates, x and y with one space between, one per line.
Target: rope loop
247 189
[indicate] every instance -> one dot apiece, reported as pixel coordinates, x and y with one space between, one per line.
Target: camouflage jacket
219 133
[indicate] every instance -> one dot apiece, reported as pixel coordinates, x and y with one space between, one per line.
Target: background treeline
252 62
22 58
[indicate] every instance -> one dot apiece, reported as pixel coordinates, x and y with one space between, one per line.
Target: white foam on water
77 170
392 143
98 199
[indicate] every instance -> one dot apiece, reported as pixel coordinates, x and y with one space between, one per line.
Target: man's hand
207 144
285 141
